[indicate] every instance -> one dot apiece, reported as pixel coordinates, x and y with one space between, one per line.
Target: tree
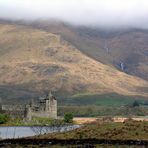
68 118
3 118
135 104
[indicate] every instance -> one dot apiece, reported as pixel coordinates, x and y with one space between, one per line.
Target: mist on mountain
98 13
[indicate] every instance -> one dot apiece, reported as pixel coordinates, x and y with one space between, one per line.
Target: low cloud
100 13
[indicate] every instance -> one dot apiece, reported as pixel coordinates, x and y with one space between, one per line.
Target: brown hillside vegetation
39 60
128 130
129 46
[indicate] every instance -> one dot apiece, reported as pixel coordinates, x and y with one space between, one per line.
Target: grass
112 99
41 121
129 130
35 121
94 111
92 105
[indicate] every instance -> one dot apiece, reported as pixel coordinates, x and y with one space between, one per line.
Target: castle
47 108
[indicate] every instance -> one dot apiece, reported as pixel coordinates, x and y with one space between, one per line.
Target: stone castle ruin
47 107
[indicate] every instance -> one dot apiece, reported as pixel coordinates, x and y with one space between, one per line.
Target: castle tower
47 108
52 106
47 103
28 113
1 105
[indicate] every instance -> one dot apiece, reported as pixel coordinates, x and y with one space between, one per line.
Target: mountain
34 60
125 49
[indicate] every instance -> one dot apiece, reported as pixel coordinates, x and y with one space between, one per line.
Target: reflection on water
17 132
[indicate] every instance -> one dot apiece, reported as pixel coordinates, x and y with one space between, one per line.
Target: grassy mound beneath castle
36 121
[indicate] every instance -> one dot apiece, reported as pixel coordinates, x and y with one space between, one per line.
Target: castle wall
53 108
13 110
12 107
28 113
41 114
47 108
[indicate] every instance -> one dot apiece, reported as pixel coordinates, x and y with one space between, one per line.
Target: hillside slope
35 60
128 47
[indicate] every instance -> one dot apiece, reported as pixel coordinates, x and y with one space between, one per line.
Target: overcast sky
102 13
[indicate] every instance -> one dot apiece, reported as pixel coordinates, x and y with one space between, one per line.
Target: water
20 131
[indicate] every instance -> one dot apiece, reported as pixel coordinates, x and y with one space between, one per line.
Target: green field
91 105
101 100
94 111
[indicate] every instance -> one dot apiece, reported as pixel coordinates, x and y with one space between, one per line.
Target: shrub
56 123
135 104
68 118
3 118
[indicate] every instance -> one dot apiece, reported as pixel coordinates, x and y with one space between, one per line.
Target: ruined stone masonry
47 108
